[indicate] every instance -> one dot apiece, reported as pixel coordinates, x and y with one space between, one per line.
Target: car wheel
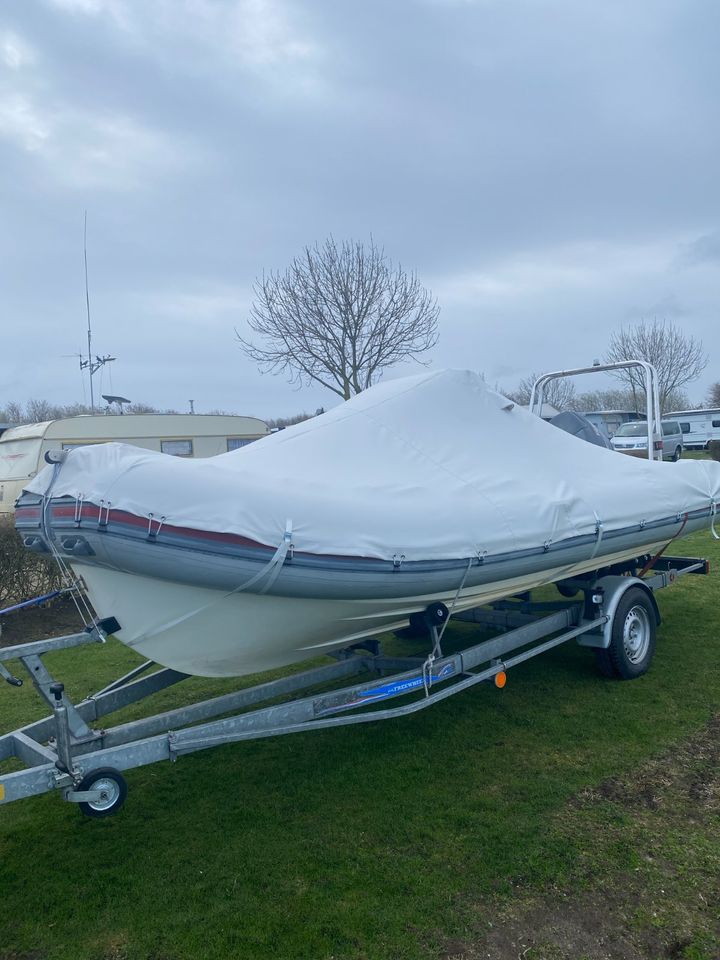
677 454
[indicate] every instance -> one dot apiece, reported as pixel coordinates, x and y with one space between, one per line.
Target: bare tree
713 397
35 411
558 393
339 316
279 423
678 359
623 398
13 413
619 398
39 410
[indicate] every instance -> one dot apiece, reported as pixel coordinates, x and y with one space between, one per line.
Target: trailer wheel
604 664
632 642
114 789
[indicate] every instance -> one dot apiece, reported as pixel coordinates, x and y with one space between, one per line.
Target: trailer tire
605 665
632 641
112 783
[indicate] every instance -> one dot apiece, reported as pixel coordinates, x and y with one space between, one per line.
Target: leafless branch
558 393
713 397
339 316
677 358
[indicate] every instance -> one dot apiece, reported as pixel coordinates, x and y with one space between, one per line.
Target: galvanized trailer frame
65 752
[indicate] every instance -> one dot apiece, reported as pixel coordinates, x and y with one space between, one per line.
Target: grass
379 841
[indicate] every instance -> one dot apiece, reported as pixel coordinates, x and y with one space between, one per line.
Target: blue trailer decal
393 689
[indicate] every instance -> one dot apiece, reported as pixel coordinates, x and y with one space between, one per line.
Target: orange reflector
500 679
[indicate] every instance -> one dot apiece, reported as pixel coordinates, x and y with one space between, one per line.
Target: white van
632 438
22 449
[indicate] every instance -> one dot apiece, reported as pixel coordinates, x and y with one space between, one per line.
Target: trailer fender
612 589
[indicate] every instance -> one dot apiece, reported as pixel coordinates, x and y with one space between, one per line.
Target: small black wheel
632 641
436 614
677 454
113 789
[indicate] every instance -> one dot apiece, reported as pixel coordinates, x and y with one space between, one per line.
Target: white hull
215 634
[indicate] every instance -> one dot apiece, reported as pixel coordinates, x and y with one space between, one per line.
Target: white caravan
699 427
22 449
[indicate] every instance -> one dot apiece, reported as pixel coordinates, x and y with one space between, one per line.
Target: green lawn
379 841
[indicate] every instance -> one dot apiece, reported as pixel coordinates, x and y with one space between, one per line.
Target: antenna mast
92 366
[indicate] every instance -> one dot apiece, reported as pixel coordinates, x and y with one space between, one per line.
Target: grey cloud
541 165
666 307
706 249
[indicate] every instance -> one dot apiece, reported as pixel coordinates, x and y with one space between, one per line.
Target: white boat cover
433 466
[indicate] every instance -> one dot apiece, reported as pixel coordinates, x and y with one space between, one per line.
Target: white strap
599 534
271 570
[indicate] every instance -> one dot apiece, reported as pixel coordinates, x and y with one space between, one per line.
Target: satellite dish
118 400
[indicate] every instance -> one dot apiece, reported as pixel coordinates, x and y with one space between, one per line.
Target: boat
430 488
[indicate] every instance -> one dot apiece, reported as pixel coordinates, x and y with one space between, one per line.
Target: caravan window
685 427
716 423
177 448
234 443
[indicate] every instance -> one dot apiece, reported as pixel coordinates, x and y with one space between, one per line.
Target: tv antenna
88 363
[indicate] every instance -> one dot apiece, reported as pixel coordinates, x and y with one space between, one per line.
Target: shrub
23 574
714 448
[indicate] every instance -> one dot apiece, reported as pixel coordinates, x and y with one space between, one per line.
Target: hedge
23 574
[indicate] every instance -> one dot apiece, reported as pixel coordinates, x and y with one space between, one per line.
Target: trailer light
500 679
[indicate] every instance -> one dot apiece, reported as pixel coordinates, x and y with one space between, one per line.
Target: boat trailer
67 751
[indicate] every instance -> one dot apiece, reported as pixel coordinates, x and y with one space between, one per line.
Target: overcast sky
549 167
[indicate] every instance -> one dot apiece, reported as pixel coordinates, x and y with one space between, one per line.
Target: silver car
632 438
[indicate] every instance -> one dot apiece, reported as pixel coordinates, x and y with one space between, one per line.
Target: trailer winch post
64 761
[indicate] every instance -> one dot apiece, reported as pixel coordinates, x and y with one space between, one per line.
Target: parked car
632 438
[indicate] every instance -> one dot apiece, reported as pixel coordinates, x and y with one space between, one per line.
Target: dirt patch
21 956
666 815
564 926
54 619
685 782
588 927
